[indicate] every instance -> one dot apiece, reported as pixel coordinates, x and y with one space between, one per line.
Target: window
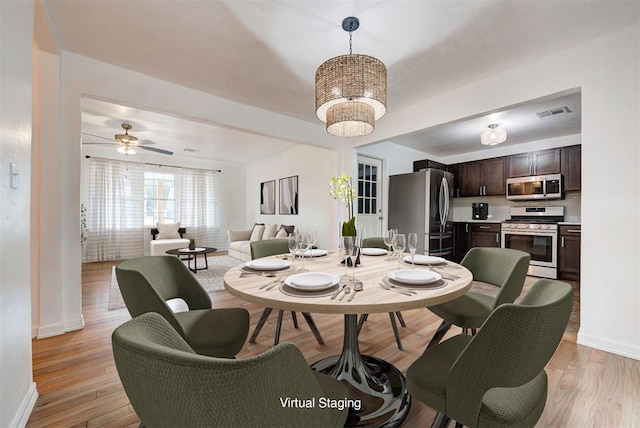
367 189
159 198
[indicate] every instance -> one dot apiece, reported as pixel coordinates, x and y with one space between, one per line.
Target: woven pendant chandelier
351 91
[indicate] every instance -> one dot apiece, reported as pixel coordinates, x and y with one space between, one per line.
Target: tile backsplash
499 206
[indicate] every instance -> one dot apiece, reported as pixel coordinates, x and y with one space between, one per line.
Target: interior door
369 202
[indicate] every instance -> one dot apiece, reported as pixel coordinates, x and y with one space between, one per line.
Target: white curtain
115 229
199 211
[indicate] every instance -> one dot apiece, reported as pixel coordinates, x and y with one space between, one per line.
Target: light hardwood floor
79 386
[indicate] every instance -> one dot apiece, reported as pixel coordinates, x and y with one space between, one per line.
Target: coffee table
192 255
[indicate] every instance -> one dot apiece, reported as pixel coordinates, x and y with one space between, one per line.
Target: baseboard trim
609 345
60 328
26 407
50 330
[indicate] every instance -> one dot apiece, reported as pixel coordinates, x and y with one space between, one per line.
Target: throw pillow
256 233
168 230
282 233
289 229
270 231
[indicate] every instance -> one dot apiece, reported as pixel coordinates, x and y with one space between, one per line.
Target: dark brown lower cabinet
469 235
569 252
485 235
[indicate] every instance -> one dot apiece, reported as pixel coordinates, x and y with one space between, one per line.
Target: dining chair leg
295 319
442 330
440 421
401 319
361 321
276 340
312 326
261 321
395 330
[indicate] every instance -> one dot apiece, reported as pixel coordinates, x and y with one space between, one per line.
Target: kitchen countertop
569 223
489 220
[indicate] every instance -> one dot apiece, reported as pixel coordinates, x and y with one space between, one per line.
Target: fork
397 290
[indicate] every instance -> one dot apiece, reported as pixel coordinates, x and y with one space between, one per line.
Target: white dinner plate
312 253
374 251
414 276
421 259
268 264
311 281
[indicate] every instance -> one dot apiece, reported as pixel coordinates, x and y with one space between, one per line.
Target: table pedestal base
380 387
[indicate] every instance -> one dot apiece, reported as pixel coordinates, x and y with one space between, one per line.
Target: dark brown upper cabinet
534 163
482 178
572 167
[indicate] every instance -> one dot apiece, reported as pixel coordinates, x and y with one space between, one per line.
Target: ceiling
265 53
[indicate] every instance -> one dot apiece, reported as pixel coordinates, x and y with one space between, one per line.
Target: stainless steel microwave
535 187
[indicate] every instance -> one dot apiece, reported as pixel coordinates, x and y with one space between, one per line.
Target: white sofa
240 240
160 245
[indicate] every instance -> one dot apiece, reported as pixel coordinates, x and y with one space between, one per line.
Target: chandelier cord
350 43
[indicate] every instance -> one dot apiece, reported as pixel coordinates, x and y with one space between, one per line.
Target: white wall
606 70
317 209
17 390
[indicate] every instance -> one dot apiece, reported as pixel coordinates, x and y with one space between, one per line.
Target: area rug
211 279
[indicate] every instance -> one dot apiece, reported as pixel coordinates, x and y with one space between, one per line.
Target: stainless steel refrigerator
419 202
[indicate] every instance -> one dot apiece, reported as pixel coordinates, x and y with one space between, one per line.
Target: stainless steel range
535 231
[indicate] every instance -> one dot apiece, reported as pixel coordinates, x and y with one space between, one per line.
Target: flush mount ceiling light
351 91
493 135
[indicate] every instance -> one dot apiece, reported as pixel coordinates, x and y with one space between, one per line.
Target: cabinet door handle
484 190
497 238
562 244
480 193
458 193
466 228
573 230
485 227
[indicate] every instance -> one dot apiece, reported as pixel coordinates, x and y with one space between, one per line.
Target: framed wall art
268 197
289 195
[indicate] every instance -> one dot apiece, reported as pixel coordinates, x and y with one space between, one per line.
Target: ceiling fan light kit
351 91
126 150
493 135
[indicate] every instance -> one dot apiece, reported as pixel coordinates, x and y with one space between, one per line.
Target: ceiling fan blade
145 142
98 136
155 149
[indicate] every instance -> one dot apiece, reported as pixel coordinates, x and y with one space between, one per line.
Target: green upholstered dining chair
272 247
378 242
147 283
496 378
503 268
169 385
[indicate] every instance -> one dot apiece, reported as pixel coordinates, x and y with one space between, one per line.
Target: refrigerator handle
444 201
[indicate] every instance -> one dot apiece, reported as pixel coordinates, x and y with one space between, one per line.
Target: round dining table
380 387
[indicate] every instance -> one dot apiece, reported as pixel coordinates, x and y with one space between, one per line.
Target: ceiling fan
128 143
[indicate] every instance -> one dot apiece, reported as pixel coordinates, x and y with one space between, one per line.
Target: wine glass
399 245
303 246
312 239
292 241
412 243
388 239
354 256
346 251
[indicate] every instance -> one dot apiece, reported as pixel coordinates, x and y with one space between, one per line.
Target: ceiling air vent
558 111
190 150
